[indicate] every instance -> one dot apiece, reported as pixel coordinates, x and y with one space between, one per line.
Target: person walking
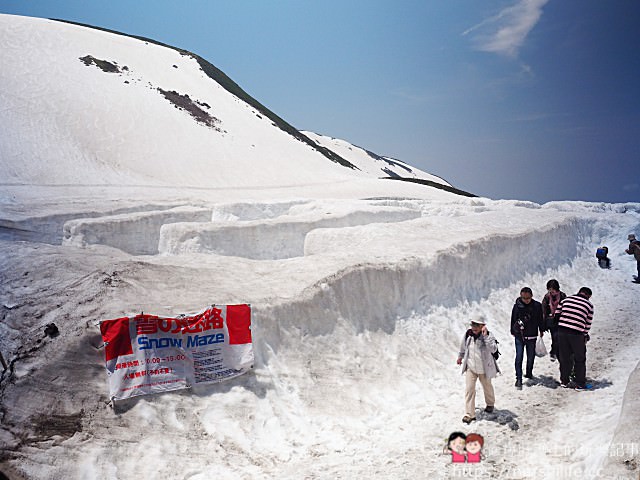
550 304
634 249
478 363
575 314
526 323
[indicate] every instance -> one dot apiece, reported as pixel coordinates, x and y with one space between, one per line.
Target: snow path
339 396
395 427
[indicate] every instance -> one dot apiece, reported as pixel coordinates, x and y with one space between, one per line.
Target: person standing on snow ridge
550 303
476 357
575 317
634 249
526 322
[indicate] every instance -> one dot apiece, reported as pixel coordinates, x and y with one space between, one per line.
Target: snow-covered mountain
373 163
137 177
108 108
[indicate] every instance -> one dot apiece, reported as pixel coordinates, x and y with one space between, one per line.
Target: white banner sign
150 354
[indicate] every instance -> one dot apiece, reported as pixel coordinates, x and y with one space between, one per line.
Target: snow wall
50 228
271 239
628 459
374 296
135 233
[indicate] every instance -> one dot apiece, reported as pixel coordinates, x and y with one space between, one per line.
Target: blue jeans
530 346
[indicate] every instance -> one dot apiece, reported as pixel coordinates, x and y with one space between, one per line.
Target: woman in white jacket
476 358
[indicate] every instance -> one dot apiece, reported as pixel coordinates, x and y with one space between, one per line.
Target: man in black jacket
526 322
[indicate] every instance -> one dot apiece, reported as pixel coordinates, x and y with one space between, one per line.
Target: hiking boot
519 384
467 419
529 376
489 409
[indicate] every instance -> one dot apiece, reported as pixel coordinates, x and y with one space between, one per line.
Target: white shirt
474 360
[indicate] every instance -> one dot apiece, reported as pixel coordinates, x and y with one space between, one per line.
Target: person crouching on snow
476 358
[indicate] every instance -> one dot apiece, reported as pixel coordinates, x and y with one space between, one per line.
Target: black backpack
497 353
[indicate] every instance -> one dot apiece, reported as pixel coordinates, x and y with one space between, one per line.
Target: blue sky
528 99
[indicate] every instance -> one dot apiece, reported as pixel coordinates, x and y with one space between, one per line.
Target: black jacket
531 317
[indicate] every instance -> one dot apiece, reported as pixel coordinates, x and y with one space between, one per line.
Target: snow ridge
462 273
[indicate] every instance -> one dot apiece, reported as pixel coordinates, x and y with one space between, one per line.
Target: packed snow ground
355 342
113 201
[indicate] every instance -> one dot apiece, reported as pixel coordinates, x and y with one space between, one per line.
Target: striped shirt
576 313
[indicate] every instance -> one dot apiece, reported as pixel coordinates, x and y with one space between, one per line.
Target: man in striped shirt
574 314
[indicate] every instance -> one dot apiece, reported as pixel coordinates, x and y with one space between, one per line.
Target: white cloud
416 97
505 32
